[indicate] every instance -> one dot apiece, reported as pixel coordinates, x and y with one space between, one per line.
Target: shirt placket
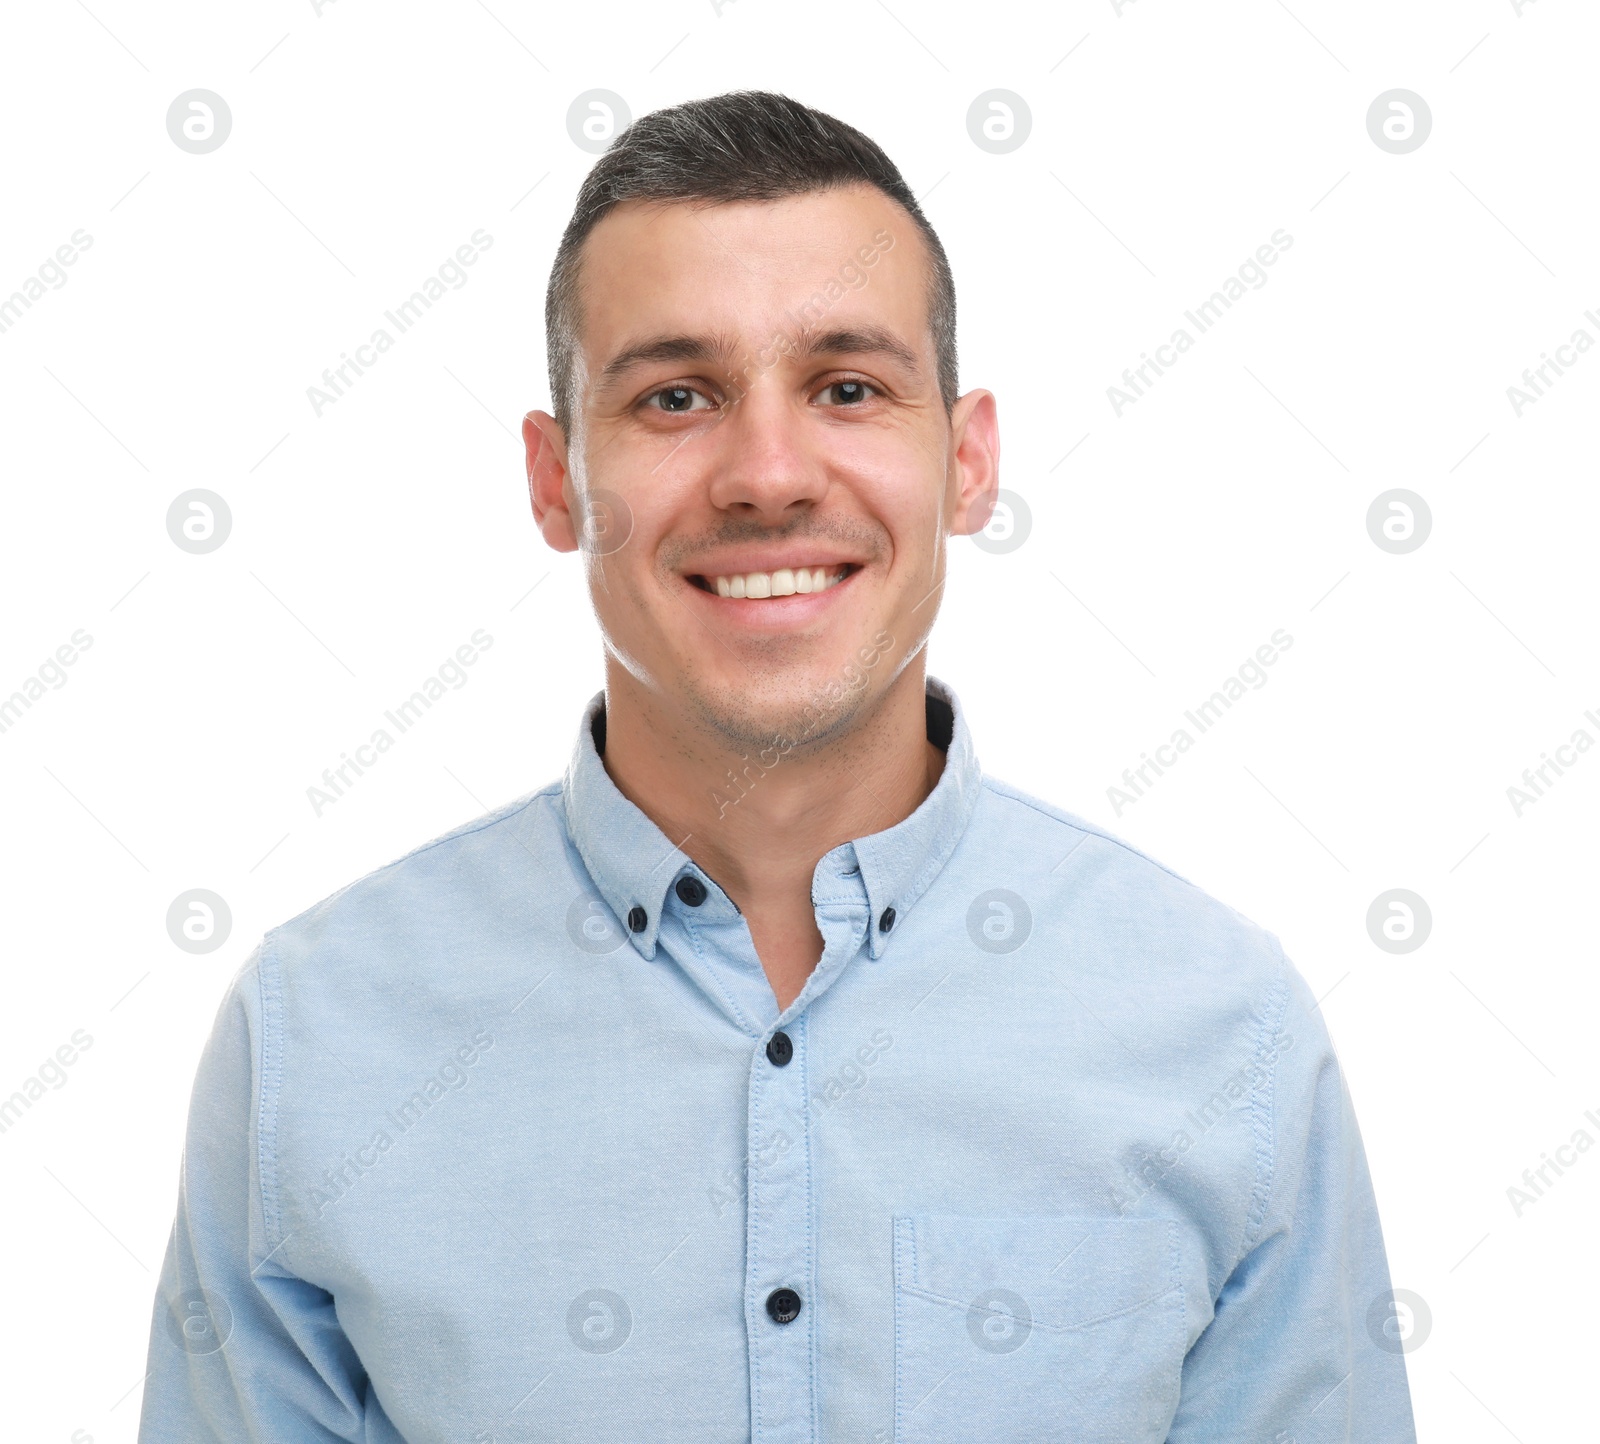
780 1281
779 1292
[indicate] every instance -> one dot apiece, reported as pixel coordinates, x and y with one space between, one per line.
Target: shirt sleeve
240 1348
1297 1348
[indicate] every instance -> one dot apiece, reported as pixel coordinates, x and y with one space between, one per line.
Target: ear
975 431
546 446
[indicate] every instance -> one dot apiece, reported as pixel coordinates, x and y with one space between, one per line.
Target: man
776 1075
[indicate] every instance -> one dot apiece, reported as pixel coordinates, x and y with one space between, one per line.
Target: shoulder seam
1001 789
504 814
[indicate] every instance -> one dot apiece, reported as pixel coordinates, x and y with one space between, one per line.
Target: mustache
847 533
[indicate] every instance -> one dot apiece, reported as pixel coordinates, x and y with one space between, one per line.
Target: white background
369 141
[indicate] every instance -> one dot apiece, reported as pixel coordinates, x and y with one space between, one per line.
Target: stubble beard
778 713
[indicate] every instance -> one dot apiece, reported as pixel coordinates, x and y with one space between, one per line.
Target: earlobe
975 428
545 446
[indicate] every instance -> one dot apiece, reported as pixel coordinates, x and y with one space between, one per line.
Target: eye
845 393
678 398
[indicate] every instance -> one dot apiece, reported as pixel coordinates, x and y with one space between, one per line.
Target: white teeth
784 582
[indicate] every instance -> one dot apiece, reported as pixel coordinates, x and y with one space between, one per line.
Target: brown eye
678 398
846 393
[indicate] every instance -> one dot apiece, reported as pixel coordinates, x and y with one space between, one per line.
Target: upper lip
771 557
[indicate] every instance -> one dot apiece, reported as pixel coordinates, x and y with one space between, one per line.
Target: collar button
886 921
638 919
691 891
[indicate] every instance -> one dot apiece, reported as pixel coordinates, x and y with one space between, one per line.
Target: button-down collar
634 864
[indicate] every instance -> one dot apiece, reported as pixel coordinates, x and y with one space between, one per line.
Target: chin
783 714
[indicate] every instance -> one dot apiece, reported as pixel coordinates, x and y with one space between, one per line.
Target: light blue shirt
493 1145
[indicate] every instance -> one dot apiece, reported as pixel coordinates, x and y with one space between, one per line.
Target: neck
759 823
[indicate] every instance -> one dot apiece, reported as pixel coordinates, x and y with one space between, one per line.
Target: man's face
763 457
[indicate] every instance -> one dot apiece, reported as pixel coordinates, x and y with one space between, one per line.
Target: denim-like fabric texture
1064 1154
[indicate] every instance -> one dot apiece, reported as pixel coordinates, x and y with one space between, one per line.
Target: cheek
621 592
905 493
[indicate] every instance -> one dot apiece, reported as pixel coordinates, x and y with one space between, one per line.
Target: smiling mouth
784 582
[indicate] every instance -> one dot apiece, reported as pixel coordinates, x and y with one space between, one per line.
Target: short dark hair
745 145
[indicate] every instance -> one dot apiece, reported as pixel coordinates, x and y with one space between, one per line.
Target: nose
766 465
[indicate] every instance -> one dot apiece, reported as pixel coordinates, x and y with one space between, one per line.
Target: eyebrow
667 348
845 341
860 341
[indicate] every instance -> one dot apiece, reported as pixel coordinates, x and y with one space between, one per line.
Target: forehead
746 269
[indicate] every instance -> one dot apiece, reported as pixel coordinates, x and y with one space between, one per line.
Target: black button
638 919
690 890
779 1050
783 1305
886 921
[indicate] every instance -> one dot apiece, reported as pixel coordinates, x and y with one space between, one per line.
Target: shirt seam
917 889
268 1093
691 926
753 1305
1000 789
937 858
506 814
1263 1108
811 1219
898 1226
1175 1272
1173 1286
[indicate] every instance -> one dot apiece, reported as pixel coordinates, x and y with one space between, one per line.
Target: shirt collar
633 863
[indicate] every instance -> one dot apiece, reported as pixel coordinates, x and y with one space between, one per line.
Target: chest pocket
1035 1329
